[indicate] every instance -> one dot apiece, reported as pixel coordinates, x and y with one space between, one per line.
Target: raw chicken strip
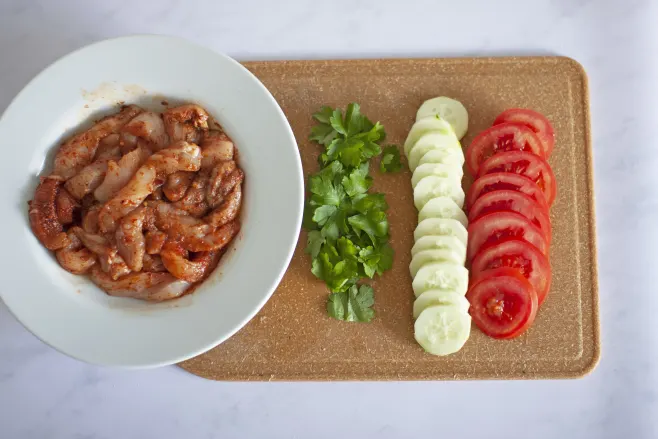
79 151
153 287
187 122
67 207
74 258
119 173
130 238
216 146
150 127
228 210
175 259
88 179
43 215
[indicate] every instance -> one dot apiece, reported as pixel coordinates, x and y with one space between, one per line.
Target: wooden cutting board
292 338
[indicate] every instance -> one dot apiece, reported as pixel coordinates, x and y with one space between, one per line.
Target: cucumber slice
442 329
441 227
425 126
442 207
438 169
438 242
437 297
447 109
441 276
433 187
431 141
429 256
446 156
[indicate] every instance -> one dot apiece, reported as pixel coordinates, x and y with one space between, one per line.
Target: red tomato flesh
537 122
500 138
494 227
519 255
504 181
527 164
503 303
513 201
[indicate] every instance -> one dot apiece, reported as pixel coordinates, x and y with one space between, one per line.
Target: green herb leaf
350 152
390 161
353 119
324 115
307 220
314 243
336 305
366 202
367 125
374 223
330 230
385 258
371 149
323 214
334 148
325 186
339 274
369 258
336 121
346 248
358 182
375 133
353 305
323 134
362 301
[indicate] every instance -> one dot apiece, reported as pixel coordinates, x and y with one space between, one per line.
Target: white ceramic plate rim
21 288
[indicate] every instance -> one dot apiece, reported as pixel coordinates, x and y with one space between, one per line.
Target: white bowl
68 312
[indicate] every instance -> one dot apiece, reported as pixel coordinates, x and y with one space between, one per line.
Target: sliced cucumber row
440 279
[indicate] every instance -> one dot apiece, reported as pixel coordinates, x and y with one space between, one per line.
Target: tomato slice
537 122
527 164
494 227
503 303
513 201
504 181
520 255
500 138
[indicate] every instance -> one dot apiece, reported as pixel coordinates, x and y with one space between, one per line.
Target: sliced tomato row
509 231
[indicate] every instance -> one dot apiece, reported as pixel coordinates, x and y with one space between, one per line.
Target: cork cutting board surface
292 338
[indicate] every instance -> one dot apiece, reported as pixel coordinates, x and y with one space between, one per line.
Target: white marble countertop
44 394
